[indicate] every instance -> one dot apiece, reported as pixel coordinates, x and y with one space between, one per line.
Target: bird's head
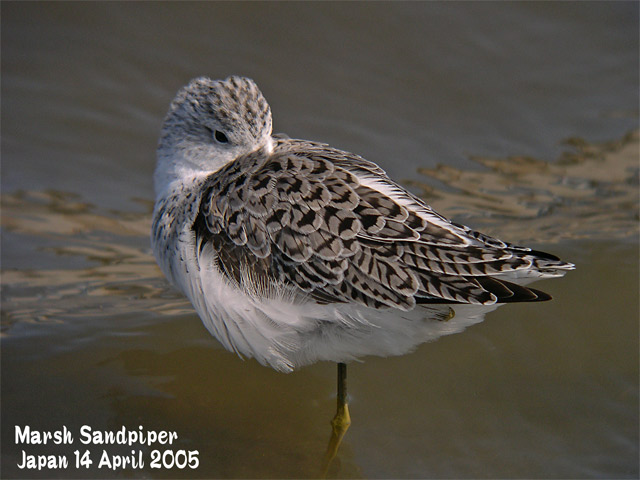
210 123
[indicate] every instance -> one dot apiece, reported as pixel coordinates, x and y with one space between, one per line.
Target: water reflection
82 260
591 191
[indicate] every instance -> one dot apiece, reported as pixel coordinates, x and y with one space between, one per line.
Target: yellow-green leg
342 420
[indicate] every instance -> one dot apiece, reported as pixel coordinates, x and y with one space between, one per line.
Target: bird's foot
340 425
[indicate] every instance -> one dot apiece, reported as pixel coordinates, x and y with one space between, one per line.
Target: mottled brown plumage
293 251
305 214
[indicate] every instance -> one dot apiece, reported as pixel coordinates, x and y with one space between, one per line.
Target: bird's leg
342 420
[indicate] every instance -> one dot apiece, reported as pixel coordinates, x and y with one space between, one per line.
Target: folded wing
332 225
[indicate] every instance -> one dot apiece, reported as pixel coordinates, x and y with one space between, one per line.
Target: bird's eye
220 137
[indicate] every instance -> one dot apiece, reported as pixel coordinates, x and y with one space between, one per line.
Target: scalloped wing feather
334 226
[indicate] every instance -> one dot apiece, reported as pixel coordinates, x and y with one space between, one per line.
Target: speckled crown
235 103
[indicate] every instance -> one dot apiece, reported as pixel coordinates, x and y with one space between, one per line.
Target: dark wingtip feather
504 291
508 292
544 255
542 296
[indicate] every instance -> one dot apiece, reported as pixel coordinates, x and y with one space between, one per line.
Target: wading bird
292 251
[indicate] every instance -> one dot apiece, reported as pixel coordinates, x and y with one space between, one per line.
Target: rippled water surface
520 119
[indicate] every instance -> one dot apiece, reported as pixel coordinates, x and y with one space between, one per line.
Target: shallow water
520 119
